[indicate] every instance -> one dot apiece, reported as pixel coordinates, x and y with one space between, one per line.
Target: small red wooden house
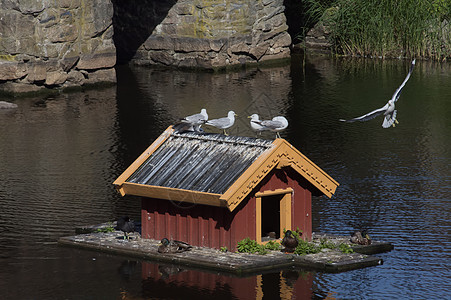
213 190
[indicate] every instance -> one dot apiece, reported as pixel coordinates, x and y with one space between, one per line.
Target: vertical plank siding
216 227
199 225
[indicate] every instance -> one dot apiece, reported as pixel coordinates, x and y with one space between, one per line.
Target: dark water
59 156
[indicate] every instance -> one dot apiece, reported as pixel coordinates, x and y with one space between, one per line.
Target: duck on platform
172 246
125 225
361 238
290 241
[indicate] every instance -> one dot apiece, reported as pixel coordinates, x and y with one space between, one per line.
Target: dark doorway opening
270 217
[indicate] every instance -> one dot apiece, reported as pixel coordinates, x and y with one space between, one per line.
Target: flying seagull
277 124
388 109
125 225
223 123
193 122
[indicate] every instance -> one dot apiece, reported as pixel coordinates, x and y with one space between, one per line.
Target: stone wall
213 33
55 43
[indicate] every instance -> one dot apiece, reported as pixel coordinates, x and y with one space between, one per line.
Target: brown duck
361 238
290 242
167 246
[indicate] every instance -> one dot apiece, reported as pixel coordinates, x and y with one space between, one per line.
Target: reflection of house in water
212 191
191 284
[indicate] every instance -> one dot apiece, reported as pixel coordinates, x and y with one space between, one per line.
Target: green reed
387 28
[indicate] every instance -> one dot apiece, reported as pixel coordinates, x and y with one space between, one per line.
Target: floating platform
237 263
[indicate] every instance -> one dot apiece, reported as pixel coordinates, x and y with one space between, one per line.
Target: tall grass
387 28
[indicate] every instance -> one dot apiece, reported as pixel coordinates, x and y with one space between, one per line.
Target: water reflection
171 282
59 156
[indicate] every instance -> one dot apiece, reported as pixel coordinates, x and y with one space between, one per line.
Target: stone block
55 78
216 45
100 76
157 42
19 87
185 44
281 40
259 50
10 70
68 63
7 105
162 57
96 61
36 72
74 78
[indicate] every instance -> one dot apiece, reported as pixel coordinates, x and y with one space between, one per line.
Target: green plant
297 233
272 245
305 247
387 28
251 246
223 249
105 229
345 248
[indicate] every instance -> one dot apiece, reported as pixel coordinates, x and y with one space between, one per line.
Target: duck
172 246
290 242
360 238
126 226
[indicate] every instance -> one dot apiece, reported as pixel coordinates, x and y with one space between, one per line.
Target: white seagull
277 124
193 122
388 109
223 123
255 126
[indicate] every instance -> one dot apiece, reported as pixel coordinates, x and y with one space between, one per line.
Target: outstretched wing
397 93
368 116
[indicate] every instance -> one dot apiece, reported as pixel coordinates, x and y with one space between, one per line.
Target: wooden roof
213 169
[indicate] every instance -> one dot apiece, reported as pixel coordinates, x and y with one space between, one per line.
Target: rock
217 33
74 78
100 76
96 61
318 38
7 105
19 87
37 72
55 78
41 42
10 70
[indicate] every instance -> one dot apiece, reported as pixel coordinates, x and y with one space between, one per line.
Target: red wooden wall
199 225
301 201
216 227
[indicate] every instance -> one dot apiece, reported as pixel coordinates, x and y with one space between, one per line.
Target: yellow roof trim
141 159
172 194
285 154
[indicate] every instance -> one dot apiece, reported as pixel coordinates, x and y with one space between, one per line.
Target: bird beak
249 117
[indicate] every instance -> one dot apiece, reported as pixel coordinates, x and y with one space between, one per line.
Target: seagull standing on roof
389 109
254 125
193 122
276 125
223 123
